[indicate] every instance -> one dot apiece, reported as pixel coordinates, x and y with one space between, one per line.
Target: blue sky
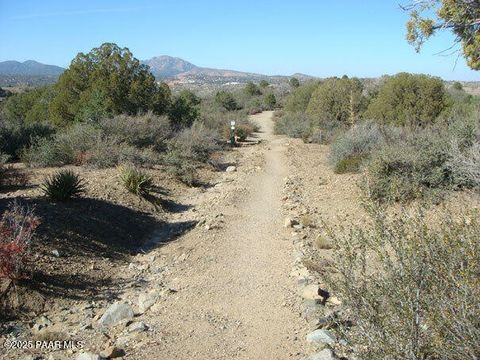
363 38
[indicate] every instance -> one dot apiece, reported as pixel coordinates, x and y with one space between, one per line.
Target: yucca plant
136 181
63 185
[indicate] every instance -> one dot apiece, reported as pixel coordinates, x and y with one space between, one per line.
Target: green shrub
252 89
69 146
408 286
184 110
403 171
270 101
253 106
63 185
242 131
226 100
141 131
294 82
195 143
263 84
296 125
351 164
350 149
14 138
327 132
337 100
136 181
181 167
408 100
111 152
297 101
465 164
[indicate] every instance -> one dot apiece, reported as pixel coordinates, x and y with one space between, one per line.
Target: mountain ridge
29 67
163 67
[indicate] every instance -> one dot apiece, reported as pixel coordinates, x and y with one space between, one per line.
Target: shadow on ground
93 238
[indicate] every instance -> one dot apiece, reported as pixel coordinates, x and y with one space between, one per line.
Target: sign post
232 132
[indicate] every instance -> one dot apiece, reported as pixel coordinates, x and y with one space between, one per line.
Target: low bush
195 143
142 131
71 146
408 286
465 164
110 152
296 125
84 144
351 164
416 167
339 100
349 150
226 100
182 168
15 138
242 131
136 181
63 185
17 230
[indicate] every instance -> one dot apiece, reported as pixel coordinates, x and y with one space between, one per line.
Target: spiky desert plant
63 185
136 181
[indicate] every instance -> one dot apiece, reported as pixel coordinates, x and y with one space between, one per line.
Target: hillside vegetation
415 142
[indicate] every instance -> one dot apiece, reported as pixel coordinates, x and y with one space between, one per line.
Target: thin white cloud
79 12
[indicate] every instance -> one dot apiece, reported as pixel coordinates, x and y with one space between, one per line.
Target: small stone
325 354
88 356
147 300
182 257
116 313
231 169
138 326
311 292
289 222
85 327
41 323
321 336
112 352
333 300
56 253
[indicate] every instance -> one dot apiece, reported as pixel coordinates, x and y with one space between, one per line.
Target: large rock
116 313
321 336
325 354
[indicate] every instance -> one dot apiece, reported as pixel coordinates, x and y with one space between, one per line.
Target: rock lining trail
231 296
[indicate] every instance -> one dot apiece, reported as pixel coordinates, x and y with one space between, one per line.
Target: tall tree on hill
462 17
107 80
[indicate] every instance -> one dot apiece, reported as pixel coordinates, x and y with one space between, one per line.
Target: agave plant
136 181
63 185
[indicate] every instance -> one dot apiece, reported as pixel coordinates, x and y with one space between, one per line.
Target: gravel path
233 295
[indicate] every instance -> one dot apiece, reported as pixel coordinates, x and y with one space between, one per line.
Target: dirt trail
233 296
